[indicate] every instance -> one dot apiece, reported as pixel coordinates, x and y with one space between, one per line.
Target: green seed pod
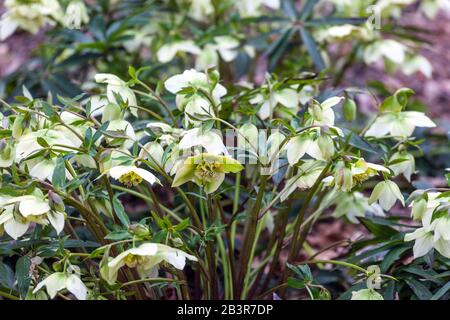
349 110
57 266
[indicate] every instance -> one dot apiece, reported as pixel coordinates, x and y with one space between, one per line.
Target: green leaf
278 47
42 142
296 283
289 9
329 21
441 292
6 276
302 271
312 48
118 235
23 275
120 212
378 229
391 257
419 289
307 9
358 142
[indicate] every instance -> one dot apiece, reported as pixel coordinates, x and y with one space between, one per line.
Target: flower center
130 179
361 177
132 261
207 171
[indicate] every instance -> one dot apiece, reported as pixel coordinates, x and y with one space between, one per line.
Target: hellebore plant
176 182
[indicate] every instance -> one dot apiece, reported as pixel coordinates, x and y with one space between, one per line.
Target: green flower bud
139 230
349 109
55 202
57 266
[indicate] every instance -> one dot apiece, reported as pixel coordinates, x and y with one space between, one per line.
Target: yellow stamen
130 179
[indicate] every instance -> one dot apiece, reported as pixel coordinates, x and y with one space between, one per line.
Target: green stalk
294 245
249 235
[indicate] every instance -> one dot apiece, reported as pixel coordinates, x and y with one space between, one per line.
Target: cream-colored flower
353 205
312 143
308 173
423 208
386 193
168 51
19 212
61 280
287 97
206 170
398 124
366 294
116 86
131 175
343 32
194 103
146 259
417 63
402 163
322 114
76 15
200 9
435 235
28 15
28 144
389 49
431 7
252 8
211 141
347 176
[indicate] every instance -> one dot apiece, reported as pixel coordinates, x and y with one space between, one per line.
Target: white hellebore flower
252 8
200 9
423 209
211 141
322 114
431 7
194 104
168 51
76 14
366 294
312 143
436 235
225 46
28 15
417 63
146 259
398 124
62 280
386 193
132 175
402 163
389 49
307 176
287 97
354 205
28 144
19 212
115 85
